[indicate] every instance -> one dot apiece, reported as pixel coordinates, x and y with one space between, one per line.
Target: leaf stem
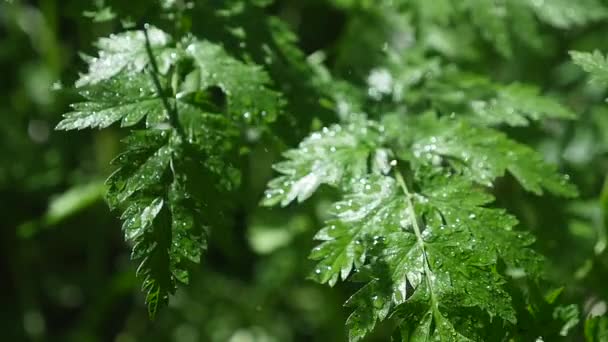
154 72
427 269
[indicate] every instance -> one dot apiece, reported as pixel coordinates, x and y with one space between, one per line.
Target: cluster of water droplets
368 195
429 149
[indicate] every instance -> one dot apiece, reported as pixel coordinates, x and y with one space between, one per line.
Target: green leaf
163 218
430 255
246 86
418 80
566 14
124 98
516 104
594 63
425 251
336 154
372 209
480 154
490 17
569 315
161 189
129 98
173 176
500 22
126 52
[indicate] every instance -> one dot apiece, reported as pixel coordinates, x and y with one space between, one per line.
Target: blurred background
65 273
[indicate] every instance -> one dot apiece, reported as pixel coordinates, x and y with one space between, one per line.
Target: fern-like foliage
415 225
195 99
503 24
428 247
414 156
594 63
418 80
126 52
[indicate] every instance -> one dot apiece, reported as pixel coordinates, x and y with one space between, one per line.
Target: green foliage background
66 271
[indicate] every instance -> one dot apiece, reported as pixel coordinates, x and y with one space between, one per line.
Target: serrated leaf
516 104
170 179
335 154
162 215
594 63
371 211
480 154
450 263
146 175
436 250
126 52
421 80
245 85
126 98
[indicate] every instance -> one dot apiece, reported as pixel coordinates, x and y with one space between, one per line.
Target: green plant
416 147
